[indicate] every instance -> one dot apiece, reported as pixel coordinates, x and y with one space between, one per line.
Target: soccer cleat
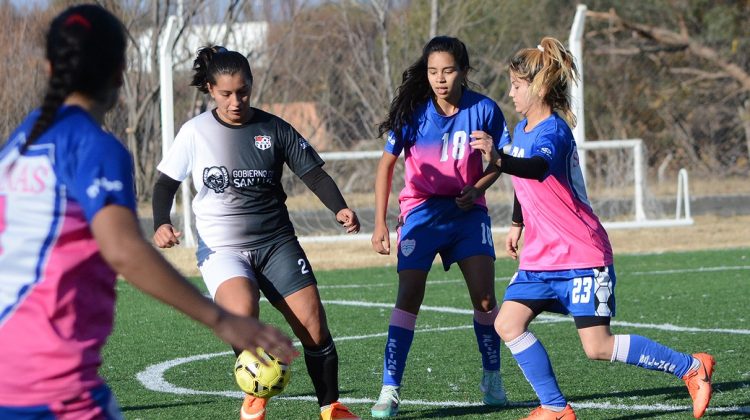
541 413
698 383
492 387
337 411
387 404
253 408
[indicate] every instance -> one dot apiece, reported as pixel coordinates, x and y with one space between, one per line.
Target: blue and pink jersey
438 159
57 294
562 232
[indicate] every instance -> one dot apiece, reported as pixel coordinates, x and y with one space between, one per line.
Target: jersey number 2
459 146
303 266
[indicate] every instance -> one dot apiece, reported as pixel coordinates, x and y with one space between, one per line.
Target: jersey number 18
459 145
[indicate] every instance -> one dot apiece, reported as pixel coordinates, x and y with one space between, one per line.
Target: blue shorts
99 403
438 226
580 292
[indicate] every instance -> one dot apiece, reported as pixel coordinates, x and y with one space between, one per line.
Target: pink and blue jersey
438 159
57 293
562 232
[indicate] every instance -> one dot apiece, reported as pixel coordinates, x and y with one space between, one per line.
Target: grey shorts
279 269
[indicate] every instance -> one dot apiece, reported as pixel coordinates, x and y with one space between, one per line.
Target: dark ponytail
85 49
415 87
215 60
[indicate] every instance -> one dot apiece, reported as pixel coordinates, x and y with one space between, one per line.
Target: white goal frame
640 219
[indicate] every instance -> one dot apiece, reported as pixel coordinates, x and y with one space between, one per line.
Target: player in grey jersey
247 244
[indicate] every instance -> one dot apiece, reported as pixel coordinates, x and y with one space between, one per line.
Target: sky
27 4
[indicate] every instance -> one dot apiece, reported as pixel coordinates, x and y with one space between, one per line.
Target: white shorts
222 265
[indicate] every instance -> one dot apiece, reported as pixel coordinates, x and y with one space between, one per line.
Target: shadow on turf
677 393
125 409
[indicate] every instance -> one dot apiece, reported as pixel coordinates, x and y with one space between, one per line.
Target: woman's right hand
511 241
249 333
381 240
484 143
166 236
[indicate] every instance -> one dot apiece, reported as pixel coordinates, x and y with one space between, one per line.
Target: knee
317 328
597 351
507 329
486 303
410 300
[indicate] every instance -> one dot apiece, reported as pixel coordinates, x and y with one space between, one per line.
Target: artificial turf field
161 365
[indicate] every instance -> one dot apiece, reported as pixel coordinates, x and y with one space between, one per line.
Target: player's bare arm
381 241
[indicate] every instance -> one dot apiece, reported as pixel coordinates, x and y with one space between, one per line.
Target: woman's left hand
468 196
348 218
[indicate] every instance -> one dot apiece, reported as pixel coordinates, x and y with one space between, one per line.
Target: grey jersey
236 172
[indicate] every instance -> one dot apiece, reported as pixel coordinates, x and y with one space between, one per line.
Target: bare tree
703 79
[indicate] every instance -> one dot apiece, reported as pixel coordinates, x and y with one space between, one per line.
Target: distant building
248 38
304 117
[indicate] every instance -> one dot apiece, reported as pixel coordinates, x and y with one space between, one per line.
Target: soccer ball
260 380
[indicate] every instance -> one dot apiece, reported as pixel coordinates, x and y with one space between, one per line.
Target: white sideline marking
152 377
692 270
545 317
505 279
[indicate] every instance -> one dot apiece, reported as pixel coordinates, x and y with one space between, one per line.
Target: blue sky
26 4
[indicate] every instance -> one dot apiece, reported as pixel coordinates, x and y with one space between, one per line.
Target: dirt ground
708 232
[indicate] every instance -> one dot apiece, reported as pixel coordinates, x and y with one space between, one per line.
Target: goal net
616 185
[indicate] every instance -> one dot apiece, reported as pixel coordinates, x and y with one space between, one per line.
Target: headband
77 19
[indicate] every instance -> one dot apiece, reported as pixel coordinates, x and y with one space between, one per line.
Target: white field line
152 377
505 279
546 317
691 270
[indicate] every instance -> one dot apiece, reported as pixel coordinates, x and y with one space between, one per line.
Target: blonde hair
550 68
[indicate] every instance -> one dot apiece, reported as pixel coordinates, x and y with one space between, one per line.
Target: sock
400 336
534 362
323 367
487 338
641 351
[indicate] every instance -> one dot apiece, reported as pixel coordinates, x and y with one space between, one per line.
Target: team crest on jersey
263 142
391 138
303 143
407 246
216 178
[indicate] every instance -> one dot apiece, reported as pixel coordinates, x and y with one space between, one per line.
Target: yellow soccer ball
259 380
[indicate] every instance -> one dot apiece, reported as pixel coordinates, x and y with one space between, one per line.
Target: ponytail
85 48
550 68
215 60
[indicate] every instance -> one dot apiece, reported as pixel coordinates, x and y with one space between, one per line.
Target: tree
692 78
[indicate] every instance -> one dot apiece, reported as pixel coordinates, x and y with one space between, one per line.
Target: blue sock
487 339
400 336
641 351
534 362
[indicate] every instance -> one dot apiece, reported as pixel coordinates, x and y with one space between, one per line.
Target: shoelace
388 395
494 383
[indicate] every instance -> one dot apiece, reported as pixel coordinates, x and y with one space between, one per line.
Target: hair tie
221 50
540 48
77 19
